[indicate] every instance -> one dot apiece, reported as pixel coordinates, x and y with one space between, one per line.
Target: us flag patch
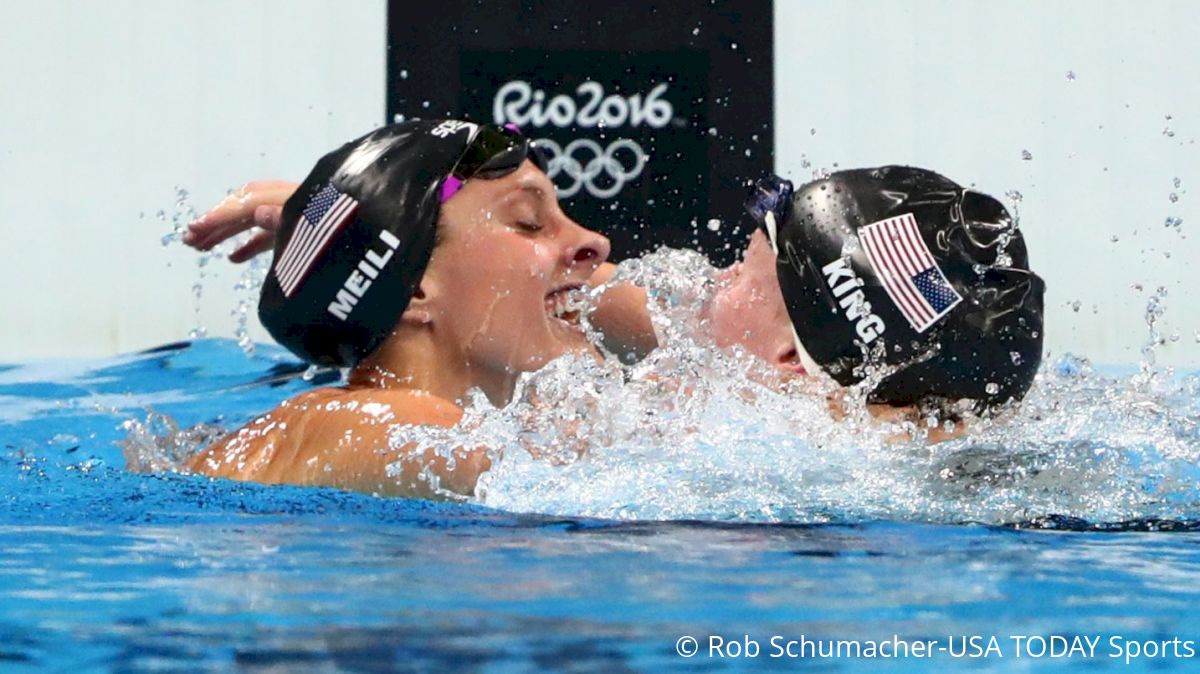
908 271
326 213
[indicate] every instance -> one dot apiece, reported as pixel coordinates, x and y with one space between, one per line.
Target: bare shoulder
368 408
329 436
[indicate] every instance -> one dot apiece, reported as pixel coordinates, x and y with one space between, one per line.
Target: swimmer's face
748 309
506 263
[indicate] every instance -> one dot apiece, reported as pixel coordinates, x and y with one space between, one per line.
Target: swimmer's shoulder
374 406
323 436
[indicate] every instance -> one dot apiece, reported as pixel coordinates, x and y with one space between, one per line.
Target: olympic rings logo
583 161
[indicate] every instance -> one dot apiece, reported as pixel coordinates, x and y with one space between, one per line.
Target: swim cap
900 266
355 238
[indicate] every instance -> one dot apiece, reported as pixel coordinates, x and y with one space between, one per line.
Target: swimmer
965 326
900 276
431 258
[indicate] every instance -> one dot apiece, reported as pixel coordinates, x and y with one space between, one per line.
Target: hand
258 203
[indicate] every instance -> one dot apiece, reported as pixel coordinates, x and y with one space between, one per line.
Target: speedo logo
451 127
845 286
360 280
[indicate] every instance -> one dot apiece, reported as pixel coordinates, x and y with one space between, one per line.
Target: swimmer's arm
622 318
258 203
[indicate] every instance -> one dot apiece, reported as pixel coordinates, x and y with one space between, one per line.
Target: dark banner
654 115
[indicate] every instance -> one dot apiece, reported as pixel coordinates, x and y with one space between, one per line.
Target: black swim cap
900 266
357 235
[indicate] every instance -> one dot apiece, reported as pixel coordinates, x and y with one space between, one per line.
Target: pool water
1056 531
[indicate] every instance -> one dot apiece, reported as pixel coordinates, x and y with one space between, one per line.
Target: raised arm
622 318
258 203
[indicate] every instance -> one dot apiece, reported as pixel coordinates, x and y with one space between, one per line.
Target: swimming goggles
768 204
494 152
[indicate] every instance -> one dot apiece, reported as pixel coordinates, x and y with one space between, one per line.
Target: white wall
106 107
965 87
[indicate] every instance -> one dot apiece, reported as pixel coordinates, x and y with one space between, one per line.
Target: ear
420 308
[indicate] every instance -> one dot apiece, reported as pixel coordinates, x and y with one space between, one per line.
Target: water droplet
403 74
812 132
714 225
1115 238
1026 155
1015 356
1070 75
992 388
1075 304
696 30
712 131
747 152
1173 221
733 46
424 104
1173 197
1177 182
397 118
1014 196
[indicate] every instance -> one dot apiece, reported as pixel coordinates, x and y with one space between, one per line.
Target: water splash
250 279
157 444
695 432
688 435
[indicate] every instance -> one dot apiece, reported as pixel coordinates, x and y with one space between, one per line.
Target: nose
786 355
787 358
589 249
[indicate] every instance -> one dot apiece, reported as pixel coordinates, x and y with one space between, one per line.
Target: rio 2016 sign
521 104
583 160
649 124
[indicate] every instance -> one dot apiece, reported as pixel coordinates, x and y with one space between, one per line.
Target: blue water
102 569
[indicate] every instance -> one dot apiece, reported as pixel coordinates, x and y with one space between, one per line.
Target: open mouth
566 304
